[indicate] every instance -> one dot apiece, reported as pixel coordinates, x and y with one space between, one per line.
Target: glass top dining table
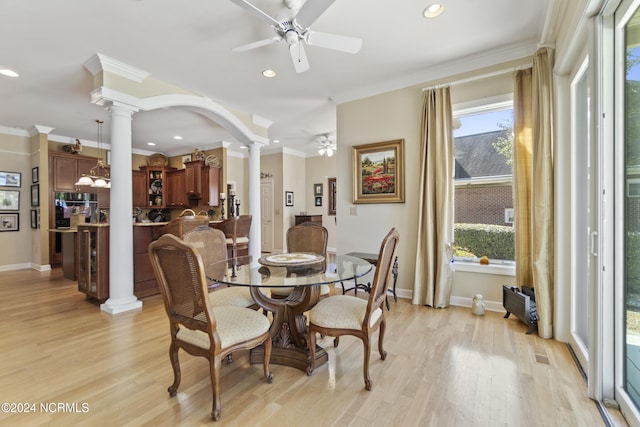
305 277
267 273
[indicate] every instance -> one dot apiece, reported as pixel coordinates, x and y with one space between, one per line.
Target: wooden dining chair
212 246
236 230
196 326
306 237
349 315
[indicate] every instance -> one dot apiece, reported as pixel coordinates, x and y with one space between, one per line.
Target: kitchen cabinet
157 185
176 193
193 178
140 190
66 169
93 265
211 186
202 183
144 279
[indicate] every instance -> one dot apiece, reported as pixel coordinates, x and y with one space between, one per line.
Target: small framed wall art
10 179
288 198
9 200
35 195
9 222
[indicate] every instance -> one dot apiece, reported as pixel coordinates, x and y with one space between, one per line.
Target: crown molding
99 62
445 70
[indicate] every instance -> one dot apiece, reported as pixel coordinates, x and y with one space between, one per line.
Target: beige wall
318 170
397 115
19 249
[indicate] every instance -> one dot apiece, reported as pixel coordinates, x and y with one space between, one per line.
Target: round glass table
304 277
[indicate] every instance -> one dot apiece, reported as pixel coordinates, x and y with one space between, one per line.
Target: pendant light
93 178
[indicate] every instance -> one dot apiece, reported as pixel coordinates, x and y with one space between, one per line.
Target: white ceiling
187 43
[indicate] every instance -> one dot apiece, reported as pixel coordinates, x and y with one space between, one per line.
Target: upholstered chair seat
349 315
235 325
342 312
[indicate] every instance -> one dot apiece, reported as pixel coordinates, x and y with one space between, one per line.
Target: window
483 210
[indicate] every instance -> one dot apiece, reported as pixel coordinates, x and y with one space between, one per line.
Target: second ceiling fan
296 32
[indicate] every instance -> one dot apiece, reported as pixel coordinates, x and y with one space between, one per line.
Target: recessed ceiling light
151 143
269 73
433 10
275 141
177 137
9 73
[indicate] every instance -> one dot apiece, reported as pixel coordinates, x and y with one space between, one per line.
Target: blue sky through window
483 122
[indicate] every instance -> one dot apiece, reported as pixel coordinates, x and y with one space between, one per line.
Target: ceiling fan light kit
296 32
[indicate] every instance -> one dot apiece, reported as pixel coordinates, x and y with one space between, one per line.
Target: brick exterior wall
482 204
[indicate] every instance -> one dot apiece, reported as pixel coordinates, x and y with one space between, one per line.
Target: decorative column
121 297
255 234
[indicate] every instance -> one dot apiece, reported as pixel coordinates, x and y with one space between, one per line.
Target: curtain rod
479 77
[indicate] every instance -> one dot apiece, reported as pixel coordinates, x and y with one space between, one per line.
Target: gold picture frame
378 172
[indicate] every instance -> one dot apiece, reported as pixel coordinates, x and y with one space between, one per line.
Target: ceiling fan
295 31
327 146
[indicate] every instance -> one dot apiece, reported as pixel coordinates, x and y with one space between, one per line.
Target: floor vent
541 358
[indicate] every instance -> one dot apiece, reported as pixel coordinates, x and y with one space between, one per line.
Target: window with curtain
483 212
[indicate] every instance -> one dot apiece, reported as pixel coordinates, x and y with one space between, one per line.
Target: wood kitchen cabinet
211 186
144 279
193 178
93 265
176 193
202 183
140 190
65 170
157 186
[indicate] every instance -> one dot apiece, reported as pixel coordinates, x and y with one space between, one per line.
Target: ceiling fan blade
310 11
257 44
299 57
334 41
256 12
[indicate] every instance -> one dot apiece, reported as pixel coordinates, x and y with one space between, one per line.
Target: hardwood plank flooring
445 367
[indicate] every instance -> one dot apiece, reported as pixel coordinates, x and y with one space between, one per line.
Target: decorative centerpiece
291 259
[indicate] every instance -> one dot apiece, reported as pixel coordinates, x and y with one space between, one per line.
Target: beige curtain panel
533 179
433 274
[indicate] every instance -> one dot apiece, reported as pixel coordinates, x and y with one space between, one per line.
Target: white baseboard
25 265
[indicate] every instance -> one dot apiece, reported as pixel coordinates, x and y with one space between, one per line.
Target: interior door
266 215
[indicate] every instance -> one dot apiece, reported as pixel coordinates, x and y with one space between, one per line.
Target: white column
121 297
255 234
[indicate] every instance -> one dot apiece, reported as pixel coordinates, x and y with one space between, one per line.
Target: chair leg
383 327
175 364
367 356
215 363
311 343
268 376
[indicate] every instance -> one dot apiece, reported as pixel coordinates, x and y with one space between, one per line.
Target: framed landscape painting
378 172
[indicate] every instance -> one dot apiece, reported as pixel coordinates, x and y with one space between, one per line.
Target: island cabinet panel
144 279
93 266
140 190
176 193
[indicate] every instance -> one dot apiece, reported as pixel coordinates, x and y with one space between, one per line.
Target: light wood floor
444 368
